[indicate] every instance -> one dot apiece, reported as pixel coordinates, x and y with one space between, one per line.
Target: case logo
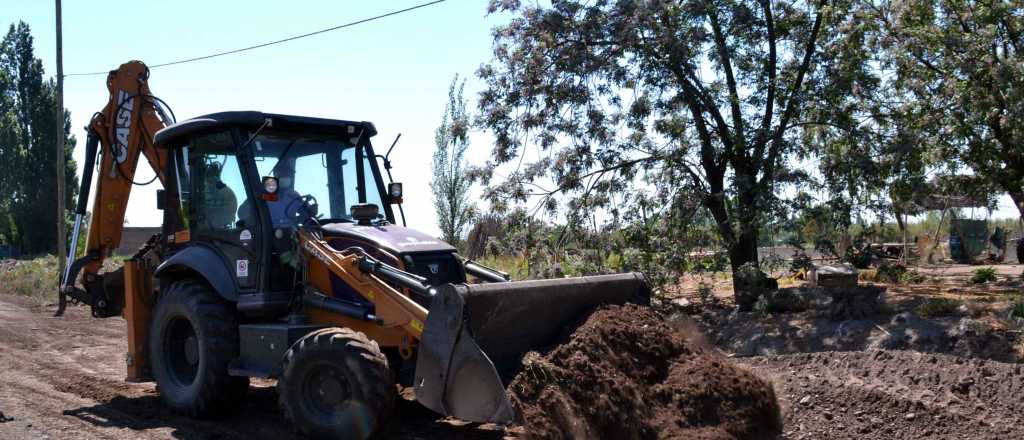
123 124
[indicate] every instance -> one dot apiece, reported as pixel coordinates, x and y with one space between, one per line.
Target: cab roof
253 119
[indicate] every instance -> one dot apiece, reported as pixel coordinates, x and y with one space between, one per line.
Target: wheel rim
181 345
325 389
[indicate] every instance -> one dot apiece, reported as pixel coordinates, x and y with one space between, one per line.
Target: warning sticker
242 268
245 235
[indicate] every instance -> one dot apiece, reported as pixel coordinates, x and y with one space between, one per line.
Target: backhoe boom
119 133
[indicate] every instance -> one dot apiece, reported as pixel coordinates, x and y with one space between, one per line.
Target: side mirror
161 201
395 192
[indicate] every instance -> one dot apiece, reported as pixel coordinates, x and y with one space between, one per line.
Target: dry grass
933 307
31 278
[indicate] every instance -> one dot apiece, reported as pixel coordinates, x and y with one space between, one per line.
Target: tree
673 101
27 184
961 61
450 184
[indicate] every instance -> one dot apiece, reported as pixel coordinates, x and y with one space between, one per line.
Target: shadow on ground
258 418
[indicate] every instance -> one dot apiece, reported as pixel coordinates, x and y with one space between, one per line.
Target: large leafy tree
27 131
961 62
450 183
691 104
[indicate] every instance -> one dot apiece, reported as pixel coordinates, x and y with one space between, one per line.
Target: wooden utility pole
62 239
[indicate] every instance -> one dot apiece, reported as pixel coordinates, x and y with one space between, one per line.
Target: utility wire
271 43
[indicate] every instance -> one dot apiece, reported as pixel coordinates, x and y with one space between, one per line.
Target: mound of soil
626 374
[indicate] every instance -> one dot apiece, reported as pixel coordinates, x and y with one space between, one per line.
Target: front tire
194 336
336 384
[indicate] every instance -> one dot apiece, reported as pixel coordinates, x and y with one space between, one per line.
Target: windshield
324 167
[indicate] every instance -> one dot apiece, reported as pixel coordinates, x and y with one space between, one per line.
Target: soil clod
626 374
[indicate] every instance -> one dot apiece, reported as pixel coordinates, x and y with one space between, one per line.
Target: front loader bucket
475 335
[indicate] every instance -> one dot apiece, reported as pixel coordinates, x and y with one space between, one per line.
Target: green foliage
705 292
655 111
960 64
896 273
1017 308
912 277
450 184
890 272
934 307
530 248
28 218
984 275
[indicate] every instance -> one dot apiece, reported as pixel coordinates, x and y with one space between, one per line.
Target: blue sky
394 72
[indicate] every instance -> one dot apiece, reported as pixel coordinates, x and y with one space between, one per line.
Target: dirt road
63 378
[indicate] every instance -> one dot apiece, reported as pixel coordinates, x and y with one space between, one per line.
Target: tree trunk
744 249
1018 200
927 255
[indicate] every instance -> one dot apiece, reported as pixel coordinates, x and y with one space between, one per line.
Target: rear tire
193 338
336 384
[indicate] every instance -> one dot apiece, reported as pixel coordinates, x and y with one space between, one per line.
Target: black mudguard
206 263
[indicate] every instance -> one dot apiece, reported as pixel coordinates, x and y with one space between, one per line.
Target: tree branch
730 79
770 67
792 99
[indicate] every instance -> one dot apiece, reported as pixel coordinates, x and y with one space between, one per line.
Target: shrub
912 277
1017 308
858 255
801 261
705 292
890 272
763 306
867 274
984 275
933 307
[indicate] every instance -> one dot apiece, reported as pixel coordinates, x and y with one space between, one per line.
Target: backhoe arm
393 309
120 132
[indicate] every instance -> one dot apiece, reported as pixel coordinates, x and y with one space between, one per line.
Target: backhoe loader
280 257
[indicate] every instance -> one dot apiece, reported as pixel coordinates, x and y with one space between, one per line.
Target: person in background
220 200
282 210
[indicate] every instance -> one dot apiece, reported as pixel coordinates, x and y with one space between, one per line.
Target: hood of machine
395 239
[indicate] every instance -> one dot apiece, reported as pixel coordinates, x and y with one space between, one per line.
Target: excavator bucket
475 336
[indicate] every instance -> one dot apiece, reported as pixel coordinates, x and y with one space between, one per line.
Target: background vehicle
279 257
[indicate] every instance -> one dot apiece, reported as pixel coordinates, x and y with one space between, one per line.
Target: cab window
218 182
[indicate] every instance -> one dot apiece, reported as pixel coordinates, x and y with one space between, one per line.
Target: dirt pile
626 374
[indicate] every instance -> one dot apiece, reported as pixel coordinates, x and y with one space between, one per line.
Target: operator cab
247 180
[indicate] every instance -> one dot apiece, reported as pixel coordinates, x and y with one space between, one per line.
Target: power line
271 43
